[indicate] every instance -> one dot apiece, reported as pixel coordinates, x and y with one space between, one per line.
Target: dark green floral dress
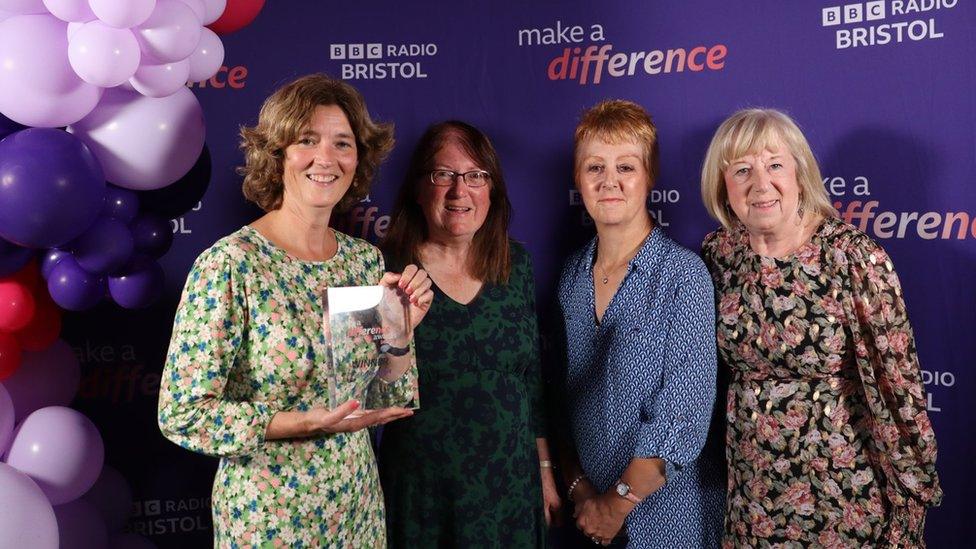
464 470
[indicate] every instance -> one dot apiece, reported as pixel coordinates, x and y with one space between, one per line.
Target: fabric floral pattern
828 440
248 342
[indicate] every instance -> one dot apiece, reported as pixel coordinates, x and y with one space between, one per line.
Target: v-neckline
477 295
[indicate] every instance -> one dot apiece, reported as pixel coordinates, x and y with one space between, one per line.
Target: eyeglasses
446 178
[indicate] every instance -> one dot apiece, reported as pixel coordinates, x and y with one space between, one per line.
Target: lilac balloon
61 450
206 60
74 288
12 258
51 257
27 519
8 126
139 285
161 80
121 204
6 419
129 541
23 6
37 85
122 14
144 143
112 497
103 55
171 33
45 378
70 10
105 247
53 188
80 526
153 235
199 8
215 8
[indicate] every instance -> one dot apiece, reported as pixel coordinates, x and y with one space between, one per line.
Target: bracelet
546 464
573 485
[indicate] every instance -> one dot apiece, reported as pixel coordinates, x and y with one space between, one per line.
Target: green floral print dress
248 341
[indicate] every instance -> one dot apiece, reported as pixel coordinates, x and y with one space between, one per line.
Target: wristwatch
393 351
623 490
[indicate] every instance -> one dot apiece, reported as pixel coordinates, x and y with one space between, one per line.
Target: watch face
623 489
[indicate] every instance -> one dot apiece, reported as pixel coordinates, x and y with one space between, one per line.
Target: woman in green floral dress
248 371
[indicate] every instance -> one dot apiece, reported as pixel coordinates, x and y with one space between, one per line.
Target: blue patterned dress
642 383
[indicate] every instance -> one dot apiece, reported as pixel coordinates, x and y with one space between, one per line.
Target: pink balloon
161 80
27 519
171 33
23 6
37 85
199 8
102 55
112 497
80 526
144 143
46 378
206 60
6 419
215 8
61 450
122 14
70 10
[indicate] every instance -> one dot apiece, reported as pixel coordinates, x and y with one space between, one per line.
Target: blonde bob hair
284 115
750 131
619 121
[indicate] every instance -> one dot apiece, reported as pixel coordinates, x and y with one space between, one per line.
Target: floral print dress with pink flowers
247 342
828 440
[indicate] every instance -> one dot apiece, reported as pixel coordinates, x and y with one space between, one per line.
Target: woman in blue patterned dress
248 371
639 333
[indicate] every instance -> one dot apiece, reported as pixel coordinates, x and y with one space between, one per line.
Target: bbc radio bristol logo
884 22
381 61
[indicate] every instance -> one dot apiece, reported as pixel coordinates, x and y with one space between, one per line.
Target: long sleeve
208 333
888 367
675 420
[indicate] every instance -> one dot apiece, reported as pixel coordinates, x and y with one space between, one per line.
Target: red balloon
16 305
9 355
43 329
237 15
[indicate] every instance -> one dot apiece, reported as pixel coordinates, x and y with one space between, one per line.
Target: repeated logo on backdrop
377 61
885 22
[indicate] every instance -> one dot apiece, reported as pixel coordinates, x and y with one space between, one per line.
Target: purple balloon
51 258
70 10
121 204
12 258
122 14
61 450
6 419
80 526
27 519
23 6
171 32
105 247
152 234
208 56
38 86
45 378
74 288
103 55
161 80
130 541
144 143
112 497
8 126
175 200
53 187
139 285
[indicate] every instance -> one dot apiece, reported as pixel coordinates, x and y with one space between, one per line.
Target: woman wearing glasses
471 468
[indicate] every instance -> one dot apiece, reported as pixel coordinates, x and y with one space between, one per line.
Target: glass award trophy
364 327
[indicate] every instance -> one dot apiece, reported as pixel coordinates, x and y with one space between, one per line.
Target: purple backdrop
882 89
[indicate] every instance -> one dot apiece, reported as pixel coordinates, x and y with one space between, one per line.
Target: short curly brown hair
284 115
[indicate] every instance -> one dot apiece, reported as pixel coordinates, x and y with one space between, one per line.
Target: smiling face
613 182
456 211
320 165
763 190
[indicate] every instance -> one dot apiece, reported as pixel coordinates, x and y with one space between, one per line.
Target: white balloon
161 80
198 7
122 14
70 10
144 143
171 33
208 57
215 8
103 55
